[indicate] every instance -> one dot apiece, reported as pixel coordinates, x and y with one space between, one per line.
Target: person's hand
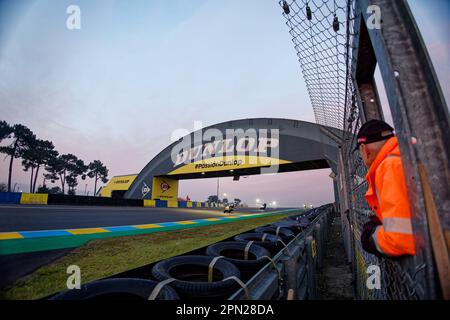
366 236
375 220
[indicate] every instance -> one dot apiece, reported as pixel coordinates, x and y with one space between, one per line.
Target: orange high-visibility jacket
387 197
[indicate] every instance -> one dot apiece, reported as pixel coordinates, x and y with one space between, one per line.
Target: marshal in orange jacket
387 196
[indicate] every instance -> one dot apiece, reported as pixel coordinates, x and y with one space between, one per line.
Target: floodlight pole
217 190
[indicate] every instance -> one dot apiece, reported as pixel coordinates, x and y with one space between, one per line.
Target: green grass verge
105 257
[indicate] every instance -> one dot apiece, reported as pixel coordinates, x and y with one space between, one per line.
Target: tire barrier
221 274
122 289
312 215
297 216
191 276
304 221
265 240
292 225
285 234
248 257
297 264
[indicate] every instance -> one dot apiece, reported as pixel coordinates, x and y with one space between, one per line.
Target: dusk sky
136 71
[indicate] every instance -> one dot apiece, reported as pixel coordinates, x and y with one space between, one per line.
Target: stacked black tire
248 263
204 277
117 289
191 277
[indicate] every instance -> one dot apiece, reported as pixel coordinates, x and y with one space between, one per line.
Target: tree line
41 156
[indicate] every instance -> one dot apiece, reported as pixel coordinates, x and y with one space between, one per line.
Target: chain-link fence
326 35
318 30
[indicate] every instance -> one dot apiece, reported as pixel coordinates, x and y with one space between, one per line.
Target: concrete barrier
34 198
174 204
149 203
63 199
10 197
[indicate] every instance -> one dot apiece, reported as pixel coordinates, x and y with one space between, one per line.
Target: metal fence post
291 267
319 243
311 265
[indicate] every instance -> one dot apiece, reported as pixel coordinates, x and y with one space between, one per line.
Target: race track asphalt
35 217
31 218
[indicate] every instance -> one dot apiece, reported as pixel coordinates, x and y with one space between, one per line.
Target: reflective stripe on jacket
387 197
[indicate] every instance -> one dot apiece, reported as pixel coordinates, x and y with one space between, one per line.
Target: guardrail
64 199
293 271
175 204
10 197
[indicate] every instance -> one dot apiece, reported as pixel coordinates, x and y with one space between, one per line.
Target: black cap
373 131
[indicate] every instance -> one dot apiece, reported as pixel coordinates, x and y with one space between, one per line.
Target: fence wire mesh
319 32
323 34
